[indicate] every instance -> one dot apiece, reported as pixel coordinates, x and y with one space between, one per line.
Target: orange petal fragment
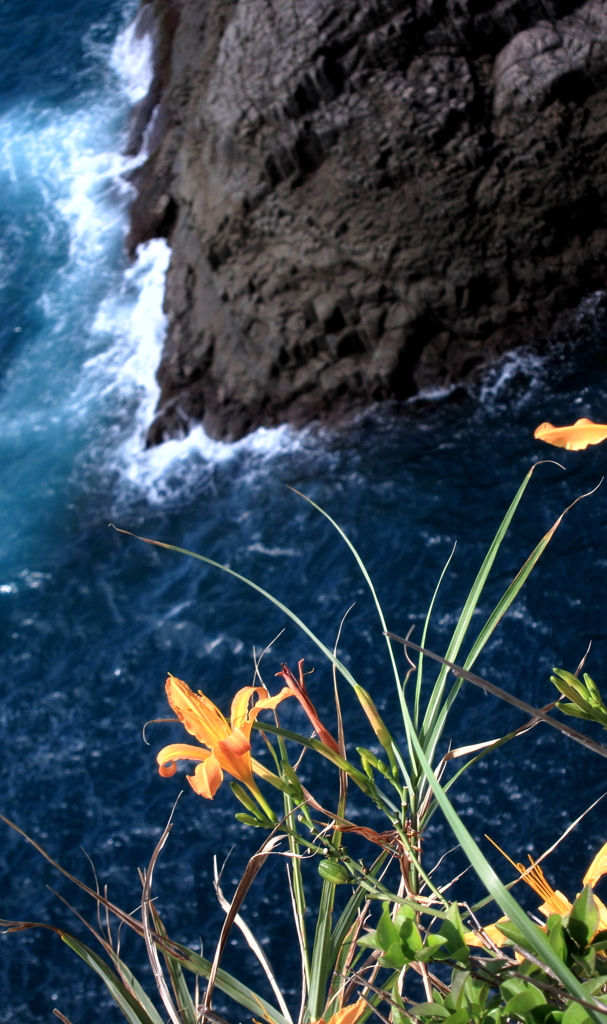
598 867
178 752
576 437
492 932
207 778
557 903
349 1014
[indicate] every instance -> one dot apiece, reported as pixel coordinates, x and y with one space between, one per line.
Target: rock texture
365 198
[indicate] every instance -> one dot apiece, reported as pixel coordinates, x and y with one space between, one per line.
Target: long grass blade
420 663
497 614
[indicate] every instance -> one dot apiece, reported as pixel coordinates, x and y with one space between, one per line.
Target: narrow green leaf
130 1006
320 965
133 986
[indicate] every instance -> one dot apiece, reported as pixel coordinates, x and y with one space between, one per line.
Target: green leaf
387 933
583 918
522 1004
410 939
575 1014
394 957
459 1017
125 1000
556 936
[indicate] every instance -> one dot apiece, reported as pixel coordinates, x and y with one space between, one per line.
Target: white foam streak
132 60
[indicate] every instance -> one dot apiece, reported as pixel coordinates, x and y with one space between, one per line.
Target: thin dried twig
150 945
251 942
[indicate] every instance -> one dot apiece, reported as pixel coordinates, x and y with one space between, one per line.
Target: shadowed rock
366 198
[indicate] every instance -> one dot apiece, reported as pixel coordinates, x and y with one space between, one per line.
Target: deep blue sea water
92 620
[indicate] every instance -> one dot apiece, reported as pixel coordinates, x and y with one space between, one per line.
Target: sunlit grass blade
420 674
376 601
434 704
131 1008
496 615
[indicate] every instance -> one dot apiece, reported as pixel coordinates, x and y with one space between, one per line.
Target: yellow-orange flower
582 433
347 1014
229 749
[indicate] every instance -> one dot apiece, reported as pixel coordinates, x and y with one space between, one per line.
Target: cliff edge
364 198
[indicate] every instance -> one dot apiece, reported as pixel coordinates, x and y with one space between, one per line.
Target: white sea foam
132 60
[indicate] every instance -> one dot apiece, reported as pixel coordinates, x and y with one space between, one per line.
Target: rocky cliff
365 198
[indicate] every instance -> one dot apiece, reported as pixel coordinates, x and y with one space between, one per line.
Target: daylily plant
228 743
575 437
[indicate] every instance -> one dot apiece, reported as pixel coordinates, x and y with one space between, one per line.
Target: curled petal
576 437
199 715
178 752
240 704
207 778
269 703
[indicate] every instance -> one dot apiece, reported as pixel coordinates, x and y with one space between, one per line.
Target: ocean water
93 620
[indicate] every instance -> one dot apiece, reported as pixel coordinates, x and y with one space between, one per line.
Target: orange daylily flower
298 688
229 749
347 1014
582 433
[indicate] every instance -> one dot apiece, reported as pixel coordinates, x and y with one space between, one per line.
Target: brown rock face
365 198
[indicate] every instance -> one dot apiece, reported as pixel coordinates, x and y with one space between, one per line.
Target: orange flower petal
207 778
233 754
178 752
576 437
598 867
198 714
